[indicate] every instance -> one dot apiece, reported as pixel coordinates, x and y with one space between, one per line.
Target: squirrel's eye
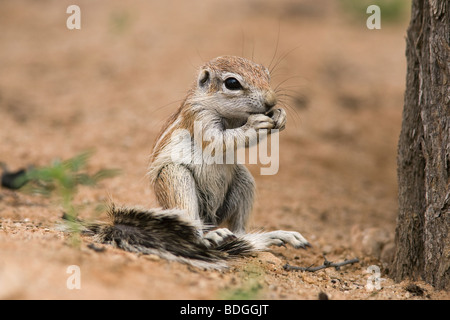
232 84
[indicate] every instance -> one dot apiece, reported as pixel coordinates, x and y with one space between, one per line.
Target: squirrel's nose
270 99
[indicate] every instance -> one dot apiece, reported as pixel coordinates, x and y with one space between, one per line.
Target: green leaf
78 162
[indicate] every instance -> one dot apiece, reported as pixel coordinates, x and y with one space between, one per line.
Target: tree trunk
422 234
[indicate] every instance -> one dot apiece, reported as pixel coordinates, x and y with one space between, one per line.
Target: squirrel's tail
165 233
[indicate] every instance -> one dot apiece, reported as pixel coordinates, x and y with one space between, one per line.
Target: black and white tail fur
169 235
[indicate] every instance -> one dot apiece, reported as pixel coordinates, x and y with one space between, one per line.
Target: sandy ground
111 85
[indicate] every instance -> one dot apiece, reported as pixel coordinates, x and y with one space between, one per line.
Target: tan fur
196 197
216 193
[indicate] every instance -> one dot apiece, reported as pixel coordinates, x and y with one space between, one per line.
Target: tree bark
422 234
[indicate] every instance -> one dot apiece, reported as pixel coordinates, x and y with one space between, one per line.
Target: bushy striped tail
165 233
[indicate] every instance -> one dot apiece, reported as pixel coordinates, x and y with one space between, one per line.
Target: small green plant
61 180
120 21
251 287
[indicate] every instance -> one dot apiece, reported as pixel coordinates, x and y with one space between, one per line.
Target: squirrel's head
235 87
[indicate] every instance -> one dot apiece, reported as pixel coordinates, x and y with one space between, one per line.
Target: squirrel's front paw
260 121
280 237
278 117
216 237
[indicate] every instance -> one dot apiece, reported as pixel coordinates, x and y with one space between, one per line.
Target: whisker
159 109
289 92
286 80
198 53
295 86
276 47
292 112
283 56
243 42
253 50
288 96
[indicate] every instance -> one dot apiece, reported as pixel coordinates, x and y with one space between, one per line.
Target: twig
326 264
95 248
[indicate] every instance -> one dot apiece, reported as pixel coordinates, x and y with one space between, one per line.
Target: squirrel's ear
204 78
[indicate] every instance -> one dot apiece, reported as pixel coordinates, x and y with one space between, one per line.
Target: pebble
151 257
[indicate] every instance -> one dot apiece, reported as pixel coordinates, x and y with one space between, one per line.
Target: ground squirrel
230 98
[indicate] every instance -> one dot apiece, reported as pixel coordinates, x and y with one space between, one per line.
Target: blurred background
113 83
